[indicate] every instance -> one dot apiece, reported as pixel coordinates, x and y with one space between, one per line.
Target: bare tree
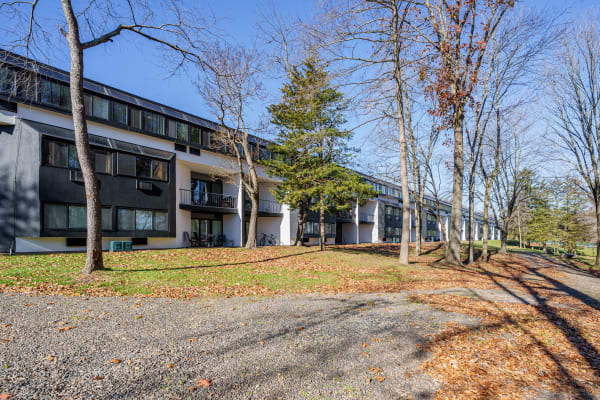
228 89
98 23
456 36
575 107
373 40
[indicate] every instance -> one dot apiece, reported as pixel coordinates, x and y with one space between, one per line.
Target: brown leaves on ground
518 350
66 328
201 383
114 361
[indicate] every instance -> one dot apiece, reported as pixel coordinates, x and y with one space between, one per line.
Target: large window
96 106
312 228
55 93
154 123
120 113
142 220
61 154
135 118
71 216
142 167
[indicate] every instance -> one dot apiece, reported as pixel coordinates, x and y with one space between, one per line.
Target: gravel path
285 347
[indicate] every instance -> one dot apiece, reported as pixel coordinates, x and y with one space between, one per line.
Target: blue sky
131 64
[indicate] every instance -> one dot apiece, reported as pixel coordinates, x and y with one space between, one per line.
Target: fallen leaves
169 366
201 383
5 396
364 345
300 328
50 358
66 328
114 361
6 325
192 339
97 378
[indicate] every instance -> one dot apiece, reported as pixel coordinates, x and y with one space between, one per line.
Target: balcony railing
214 200
364 217
348 214
265 206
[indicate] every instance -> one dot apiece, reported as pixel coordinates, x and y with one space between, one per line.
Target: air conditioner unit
144 185
76 176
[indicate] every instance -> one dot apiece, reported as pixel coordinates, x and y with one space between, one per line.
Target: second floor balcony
366 218
206 201
265 207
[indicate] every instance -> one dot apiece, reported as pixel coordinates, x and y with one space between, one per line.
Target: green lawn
221 271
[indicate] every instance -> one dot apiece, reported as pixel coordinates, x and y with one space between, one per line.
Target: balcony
365 218
266 208
207 202
345 216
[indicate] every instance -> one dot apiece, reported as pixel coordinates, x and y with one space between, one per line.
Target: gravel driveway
285 347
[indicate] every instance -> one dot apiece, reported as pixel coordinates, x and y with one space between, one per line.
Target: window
195 135
77 217
55 93
312 228
99 107
205 138
143 167
102 161
154 123
96 106
182 131
63 216
55 216
126 164
330 229
73 160
159 170
135 118
160 221
389 210
7 80
120 112
143 220
56 153
126 219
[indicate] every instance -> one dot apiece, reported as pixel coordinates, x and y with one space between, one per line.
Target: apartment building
163 183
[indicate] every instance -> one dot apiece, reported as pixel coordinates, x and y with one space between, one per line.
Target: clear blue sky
131 64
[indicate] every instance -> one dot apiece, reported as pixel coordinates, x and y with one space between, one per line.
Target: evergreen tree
311 147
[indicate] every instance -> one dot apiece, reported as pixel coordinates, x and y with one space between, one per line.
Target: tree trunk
302 216
471 219
93 259
322 224
252 224
503 237
545 246
519 227
418 225
597 262
453 249
484 246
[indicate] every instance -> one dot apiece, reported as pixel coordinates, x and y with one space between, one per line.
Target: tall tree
92 25
309 119
575 85
456 35
229 88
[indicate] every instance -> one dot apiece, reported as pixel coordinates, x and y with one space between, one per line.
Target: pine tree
311 147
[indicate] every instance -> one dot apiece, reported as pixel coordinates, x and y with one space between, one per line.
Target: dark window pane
182 131
87 100
56 153
143 220
65 96
73 160
172 128
161 221
120 113
126 164
106 219
55 216
143 167
102 161
205 138
159 170
46 94
154 123
126 219
100 107
77 217
7 80
195 135
135 120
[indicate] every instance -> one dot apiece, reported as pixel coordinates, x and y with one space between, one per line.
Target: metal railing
266 206
348 214
364 217
216 200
